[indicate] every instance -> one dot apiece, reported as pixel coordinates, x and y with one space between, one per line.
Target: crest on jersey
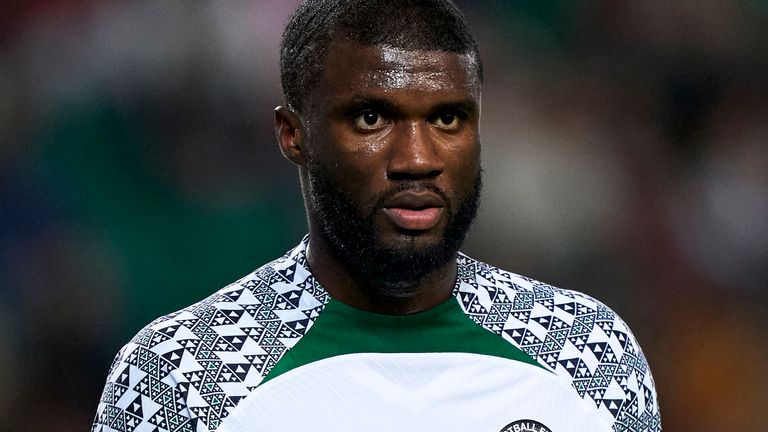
525 426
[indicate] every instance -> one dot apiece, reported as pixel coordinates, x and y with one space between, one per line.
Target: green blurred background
624 151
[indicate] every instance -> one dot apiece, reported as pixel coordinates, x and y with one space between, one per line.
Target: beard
355 240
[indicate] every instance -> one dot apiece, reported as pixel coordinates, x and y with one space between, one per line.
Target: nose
414 154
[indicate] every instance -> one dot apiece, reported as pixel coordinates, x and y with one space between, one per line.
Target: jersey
275 352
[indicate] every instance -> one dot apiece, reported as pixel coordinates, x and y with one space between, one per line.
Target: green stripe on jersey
341 329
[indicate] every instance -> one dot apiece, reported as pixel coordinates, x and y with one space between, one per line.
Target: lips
414 211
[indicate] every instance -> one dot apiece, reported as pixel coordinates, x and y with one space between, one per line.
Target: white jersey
274 352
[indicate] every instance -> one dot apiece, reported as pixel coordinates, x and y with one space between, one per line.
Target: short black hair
430 25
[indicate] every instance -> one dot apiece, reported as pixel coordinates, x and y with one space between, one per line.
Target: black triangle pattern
569 333
165 367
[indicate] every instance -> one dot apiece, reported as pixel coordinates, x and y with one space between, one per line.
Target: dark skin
379 116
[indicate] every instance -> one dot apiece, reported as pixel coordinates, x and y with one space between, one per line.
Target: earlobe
289 134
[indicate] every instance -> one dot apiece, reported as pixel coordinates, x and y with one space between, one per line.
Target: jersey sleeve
630 394
575 336
187 371
638 409
143 392
603 361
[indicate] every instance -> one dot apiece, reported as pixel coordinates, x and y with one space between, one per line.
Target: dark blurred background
625 156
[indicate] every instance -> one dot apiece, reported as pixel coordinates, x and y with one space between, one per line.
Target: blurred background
625 157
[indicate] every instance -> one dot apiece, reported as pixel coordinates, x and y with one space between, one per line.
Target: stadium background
625 156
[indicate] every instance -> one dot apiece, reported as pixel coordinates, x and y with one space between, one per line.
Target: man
376 321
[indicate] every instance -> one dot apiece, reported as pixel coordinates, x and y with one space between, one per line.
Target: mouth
414 211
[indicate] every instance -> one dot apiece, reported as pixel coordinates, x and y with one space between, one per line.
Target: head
381 116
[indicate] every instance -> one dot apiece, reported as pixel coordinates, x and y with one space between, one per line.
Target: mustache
413 186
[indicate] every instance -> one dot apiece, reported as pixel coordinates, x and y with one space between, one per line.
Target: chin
412 241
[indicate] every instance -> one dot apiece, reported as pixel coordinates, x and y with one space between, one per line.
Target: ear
289 135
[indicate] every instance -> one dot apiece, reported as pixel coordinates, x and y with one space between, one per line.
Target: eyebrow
362 103
466 106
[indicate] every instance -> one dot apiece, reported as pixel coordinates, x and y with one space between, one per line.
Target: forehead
352 69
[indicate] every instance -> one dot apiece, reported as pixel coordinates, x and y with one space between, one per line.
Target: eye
369 120
447 121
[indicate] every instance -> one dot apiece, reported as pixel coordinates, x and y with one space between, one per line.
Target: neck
347 287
